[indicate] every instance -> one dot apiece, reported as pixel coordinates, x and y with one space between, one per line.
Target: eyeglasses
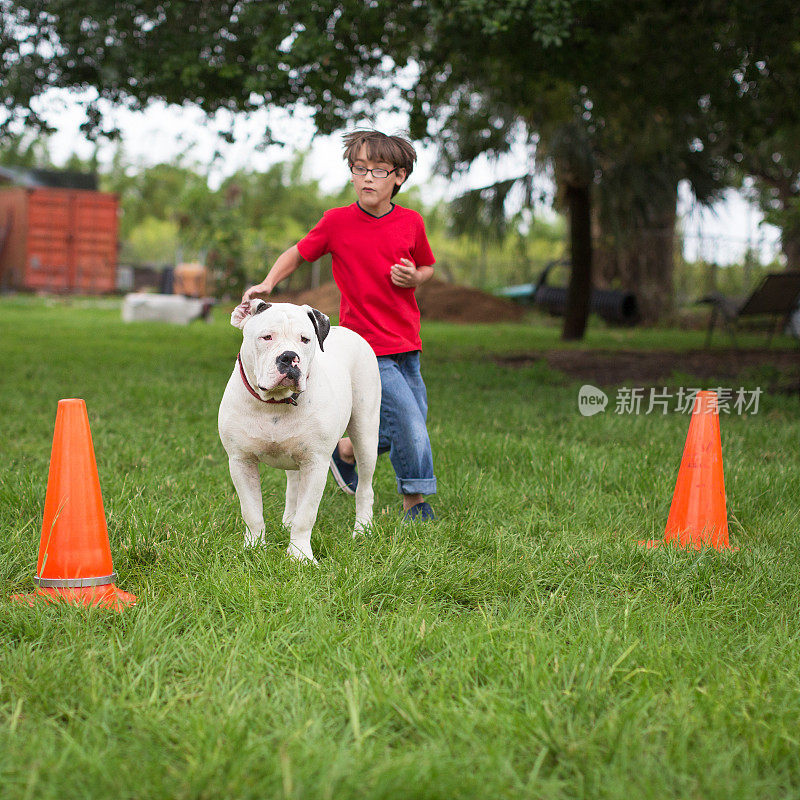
376 173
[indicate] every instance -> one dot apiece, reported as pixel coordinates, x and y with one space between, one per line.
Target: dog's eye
305 339
267 337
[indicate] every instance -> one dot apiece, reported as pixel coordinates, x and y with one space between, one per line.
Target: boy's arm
406 275
286 263
424 274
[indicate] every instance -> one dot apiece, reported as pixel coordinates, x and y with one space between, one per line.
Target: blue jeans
403 433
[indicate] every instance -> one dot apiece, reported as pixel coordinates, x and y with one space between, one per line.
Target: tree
775 165
656 92
24 151
225 55
769 151
597 87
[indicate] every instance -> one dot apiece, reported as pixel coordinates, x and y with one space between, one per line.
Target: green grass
522 646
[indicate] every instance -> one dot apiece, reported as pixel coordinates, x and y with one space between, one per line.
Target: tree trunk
790 244
642 259
651 265
580 282
790 233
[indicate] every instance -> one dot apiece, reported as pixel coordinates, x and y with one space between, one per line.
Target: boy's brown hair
395 150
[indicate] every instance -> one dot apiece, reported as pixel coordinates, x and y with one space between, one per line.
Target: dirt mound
437 300
324 298
610 367
449 302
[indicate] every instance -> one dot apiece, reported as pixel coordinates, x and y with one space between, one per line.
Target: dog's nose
288 358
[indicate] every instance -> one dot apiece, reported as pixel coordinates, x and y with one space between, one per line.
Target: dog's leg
365 448
292 488
311 486
246 480
363 430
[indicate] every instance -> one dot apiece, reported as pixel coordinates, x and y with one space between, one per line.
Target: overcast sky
162 133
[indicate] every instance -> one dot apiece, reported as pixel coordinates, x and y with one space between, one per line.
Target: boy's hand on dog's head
405 274
250 293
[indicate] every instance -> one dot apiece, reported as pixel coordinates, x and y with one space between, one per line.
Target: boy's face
375 194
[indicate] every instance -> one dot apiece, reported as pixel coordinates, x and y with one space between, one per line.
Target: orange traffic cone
74 563
698 515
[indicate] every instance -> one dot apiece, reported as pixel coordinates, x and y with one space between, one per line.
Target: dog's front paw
301 553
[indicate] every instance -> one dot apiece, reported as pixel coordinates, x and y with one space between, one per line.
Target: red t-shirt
363 249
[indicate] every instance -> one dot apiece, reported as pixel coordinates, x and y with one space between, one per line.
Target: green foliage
774 163
487 263
25 151
153 241
239 229
592 87
522 647
163 191
694 280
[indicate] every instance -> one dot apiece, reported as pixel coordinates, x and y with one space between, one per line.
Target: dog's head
280 341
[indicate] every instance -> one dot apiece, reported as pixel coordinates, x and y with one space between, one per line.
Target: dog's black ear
322 325
259 306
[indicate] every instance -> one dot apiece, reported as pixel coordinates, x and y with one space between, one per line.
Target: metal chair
776 296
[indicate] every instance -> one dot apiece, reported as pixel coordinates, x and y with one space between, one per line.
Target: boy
380 255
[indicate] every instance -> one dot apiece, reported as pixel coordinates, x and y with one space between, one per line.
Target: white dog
297 385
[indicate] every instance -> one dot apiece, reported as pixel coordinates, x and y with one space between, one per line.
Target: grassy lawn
521 646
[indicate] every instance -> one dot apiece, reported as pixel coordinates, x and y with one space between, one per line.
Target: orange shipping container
58 240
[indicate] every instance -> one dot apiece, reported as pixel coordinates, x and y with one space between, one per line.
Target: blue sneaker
344 473
421 512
